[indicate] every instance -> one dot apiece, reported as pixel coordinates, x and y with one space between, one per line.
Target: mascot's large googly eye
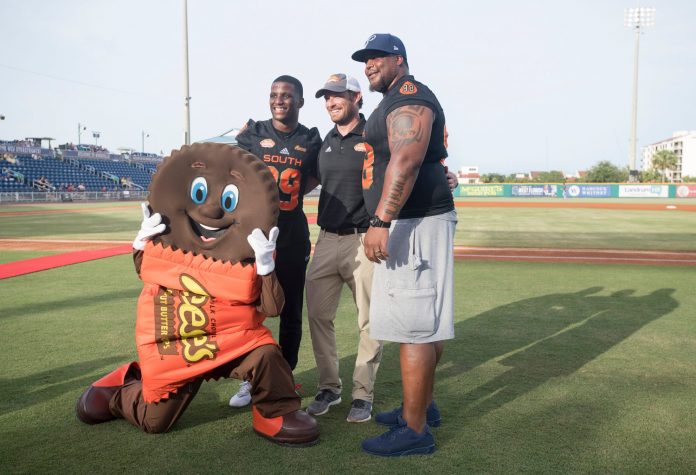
230 198
199 190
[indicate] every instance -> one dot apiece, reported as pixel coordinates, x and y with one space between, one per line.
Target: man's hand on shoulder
452 180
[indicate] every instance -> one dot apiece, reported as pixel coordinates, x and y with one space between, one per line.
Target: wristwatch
378 223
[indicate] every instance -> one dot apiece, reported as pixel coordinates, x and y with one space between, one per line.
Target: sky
525 85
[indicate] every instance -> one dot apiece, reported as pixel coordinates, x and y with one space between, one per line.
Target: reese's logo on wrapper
193 331
193 322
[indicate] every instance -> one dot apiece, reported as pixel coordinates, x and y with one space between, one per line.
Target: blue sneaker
391 418
400 440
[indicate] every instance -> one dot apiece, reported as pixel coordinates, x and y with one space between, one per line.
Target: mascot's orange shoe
93 405
297 429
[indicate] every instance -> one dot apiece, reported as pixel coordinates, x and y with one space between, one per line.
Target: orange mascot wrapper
194 314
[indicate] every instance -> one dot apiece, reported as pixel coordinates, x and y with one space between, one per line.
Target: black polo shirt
341 203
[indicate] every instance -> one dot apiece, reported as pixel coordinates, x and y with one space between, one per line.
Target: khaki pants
338 260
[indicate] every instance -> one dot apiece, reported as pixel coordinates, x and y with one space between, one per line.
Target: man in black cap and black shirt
410 239
339 256
290 150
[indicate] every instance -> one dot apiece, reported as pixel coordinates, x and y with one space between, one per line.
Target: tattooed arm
408 130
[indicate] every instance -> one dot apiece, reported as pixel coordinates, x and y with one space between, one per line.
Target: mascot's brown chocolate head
211 196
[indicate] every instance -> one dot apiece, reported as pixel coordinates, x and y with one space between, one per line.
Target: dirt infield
55 245
586 256
578 256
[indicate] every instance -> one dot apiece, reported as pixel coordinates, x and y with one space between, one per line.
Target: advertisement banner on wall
20 149
534 190
481 190
686 191
643 191
98 155
588 191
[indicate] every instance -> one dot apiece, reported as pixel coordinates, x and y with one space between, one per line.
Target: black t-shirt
292 158
341 203
430 195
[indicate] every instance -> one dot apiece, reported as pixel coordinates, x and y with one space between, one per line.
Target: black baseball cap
380 43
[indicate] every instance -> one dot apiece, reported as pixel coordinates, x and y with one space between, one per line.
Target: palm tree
665 160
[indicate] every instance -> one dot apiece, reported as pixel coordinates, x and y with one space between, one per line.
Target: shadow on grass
20 393
537 339
545 337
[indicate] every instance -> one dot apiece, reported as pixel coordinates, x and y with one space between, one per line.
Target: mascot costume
208 271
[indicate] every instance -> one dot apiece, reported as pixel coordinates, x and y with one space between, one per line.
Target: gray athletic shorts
413 291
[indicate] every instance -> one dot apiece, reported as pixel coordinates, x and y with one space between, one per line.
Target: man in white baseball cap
339 83
339 257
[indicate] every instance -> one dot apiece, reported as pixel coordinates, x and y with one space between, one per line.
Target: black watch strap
375 222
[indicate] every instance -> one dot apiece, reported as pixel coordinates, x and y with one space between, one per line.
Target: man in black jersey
338 254
410 239
290 150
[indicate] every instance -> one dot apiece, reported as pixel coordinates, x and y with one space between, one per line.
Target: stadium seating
138 174
59 174
94 174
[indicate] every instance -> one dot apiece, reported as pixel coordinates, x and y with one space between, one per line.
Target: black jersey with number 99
292 159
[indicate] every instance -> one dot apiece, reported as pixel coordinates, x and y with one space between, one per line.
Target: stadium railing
56 197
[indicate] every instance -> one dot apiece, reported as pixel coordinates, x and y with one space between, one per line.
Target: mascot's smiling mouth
208 233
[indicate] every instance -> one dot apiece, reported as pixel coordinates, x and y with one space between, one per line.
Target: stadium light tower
187 98
637 19
96 136
80 128
143 134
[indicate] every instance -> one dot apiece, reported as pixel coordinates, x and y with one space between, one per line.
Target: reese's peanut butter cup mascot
209 282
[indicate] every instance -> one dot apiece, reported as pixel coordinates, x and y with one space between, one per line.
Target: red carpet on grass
13 269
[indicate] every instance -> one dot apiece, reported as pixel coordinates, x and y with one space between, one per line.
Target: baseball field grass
556 368
562 227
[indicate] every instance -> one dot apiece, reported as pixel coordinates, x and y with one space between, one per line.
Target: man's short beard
381 87
346 119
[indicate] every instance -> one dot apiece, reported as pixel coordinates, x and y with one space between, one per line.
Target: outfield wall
576 190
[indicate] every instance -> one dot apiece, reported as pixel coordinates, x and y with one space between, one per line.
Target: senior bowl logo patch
300 148
267 143
360 147
408 88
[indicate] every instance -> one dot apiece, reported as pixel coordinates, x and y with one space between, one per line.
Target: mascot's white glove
264 249
151 226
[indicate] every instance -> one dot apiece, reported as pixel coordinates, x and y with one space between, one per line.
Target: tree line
603 172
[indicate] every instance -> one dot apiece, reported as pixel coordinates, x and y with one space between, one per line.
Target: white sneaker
243 396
